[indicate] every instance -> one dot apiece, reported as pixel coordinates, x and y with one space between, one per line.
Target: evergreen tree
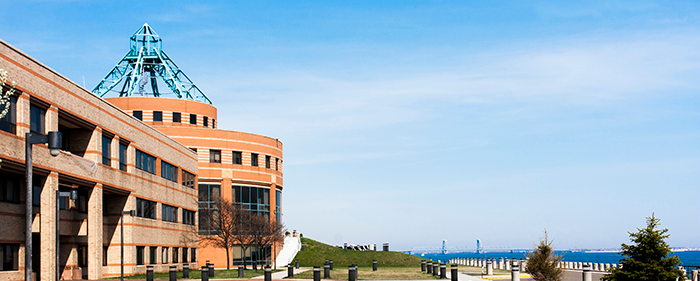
542 263
648 258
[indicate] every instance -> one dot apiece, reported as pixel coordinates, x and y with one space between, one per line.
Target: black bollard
386 247
303 247
331 264
436 269
211 270
430 267
351 274
173 273
255 266
297 264
354 271
268 273
422 266
149 273
186 270
290 271
317 273
205 273
241 271
374 265
443 271
327 271
453 273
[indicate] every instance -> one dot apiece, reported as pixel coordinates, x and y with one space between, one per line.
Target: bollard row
505 264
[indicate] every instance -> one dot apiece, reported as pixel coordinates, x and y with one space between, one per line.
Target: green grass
316 254
197 274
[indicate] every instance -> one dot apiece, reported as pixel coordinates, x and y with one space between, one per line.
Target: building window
205 121
278 206
36 122
138 114
237 157
82 256
164 257
213 123
208 195
169 213
188 217
254 199
152 255
177 117
277 164
122 156
157 116
145 162
106 150
214 156
139 254
8 123
193 255
267 161
187 179
9 188
145 208
168 171
175 254
184 255
254 159
193 119
9 253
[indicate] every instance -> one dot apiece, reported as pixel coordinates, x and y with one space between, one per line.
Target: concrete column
95 233
115 153
23 116
94 148
489 267
587 273
48 224
131 159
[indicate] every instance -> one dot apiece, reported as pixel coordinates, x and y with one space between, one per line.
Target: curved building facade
241 167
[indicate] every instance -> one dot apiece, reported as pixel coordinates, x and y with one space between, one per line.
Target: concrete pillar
515 271
489 267
95 233
94 148
48 223
507 264
23 116
694 275
114 153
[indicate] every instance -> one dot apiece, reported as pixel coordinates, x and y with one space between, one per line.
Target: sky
414 122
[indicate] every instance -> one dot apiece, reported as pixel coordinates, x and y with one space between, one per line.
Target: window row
147 209
147 163
168 255
177 118
237 156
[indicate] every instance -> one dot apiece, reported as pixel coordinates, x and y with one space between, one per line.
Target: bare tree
223 221
265 232
241 231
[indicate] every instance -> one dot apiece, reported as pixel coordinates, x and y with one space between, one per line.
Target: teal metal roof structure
146 63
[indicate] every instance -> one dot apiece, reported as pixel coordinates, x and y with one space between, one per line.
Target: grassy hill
316 254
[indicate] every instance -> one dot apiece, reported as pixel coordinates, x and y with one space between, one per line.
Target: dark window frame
188 179
145 162
193 119
214 156
37 117
138 114
177 117
140 251
169 213
8 123
268 159
106 150
188 217
146 209
123 149
9 257
157 116
254 159
168 171
205 121
237 157
10 186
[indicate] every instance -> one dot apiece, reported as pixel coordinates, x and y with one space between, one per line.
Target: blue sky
410 122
